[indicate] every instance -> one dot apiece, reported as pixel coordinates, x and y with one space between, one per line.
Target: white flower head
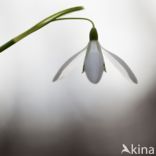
94 64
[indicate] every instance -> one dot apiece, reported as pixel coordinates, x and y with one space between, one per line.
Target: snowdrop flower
94 64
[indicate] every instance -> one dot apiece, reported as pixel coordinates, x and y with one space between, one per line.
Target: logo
137 149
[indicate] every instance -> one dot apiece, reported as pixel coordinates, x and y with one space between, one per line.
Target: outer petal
94 62
121 65
62 68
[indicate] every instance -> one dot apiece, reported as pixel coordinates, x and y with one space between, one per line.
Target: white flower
94 64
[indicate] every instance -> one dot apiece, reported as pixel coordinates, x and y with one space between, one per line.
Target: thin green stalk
77 18
39 26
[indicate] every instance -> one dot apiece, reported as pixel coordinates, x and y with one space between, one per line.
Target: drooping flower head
94 64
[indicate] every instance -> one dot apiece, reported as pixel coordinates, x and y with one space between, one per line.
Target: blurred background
73 117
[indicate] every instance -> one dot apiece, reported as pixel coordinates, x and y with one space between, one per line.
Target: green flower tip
93 34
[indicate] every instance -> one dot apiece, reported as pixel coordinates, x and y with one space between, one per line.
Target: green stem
39 26
77 18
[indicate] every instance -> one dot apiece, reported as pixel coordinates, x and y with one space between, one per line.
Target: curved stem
39 26
77 18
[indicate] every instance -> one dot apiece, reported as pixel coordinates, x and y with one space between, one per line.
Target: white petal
62 68
94 63
121 65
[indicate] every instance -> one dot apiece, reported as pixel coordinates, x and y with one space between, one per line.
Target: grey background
72 116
